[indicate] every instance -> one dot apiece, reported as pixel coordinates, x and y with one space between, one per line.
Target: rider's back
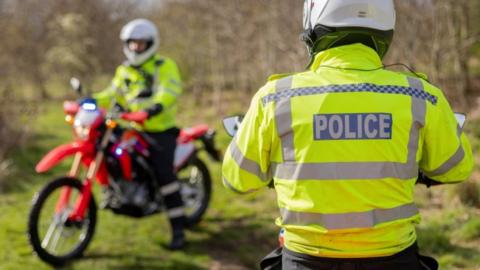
344 141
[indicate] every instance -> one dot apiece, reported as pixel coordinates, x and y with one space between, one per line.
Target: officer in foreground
344 142
148 85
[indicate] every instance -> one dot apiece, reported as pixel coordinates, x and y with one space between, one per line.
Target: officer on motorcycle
344 142
148 85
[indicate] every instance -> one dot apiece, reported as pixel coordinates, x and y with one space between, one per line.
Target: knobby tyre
196 189
54 238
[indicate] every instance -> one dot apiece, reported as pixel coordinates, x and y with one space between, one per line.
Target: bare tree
233 45
436 37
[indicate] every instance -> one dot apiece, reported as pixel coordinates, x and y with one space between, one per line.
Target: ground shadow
232 243
136 262
240 241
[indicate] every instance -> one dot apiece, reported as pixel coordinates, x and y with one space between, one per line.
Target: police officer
148 85
344 142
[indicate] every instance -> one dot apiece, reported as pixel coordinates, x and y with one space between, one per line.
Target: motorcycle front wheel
54 237
196 189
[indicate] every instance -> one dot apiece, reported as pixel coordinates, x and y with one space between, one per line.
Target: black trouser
406 259
162 150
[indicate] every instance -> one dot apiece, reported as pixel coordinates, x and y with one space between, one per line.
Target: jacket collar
147 62
354 56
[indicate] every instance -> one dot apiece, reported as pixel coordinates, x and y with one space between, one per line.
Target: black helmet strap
323 37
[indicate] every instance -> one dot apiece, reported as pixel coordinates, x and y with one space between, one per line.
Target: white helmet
139 29
331 23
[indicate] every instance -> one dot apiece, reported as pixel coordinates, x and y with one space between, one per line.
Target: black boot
176 215
178 234
178 241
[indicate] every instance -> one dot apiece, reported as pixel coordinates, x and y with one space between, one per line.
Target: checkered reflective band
350 88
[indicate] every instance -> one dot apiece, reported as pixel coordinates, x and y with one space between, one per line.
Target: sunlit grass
235 233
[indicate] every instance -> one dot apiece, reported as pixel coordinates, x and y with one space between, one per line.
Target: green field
235 233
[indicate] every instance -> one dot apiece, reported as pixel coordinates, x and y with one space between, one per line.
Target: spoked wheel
196 188
53 235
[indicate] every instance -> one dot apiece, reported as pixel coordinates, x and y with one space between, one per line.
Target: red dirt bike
63 214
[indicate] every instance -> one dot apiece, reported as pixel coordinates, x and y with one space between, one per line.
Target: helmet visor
137 45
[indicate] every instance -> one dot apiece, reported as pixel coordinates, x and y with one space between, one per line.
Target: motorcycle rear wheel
63 240
196 189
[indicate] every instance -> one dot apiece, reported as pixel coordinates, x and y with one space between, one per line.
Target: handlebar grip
138 117
70 107
425 180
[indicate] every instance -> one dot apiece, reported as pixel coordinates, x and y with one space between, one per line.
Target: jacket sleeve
105 96
447 155
169 85
247 160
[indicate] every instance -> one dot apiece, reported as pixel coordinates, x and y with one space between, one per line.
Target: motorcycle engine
134 193
132 198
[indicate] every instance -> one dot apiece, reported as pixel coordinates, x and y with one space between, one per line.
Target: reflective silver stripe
175 82
367 219
343 170
176 212
229 186
283 120
453 161
155 78
415 83
247 164
426 267
450 163
171 92
137 100
170 188
418 110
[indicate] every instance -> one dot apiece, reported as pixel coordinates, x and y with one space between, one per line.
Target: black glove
271 184
118 108
145 93
424 180
154 110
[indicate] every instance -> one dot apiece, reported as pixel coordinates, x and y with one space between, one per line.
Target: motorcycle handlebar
138 117
70 107
117 112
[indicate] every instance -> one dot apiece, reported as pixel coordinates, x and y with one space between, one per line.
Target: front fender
59 153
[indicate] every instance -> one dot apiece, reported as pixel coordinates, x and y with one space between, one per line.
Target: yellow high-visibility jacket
157 81
343 143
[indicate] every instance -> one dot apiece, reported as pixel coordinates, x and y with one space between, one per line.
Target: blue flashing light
89 106
118 151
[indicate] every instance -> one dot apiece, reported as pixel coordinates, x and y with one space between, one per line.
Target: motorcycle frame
83 201
87 153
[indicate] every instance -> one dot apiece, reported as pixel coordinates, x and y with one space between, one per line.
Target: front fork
82 202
